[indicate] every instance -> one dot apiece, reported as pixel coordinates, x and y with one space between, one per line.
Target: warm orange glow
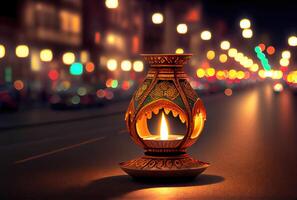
163 128
90 67
18 84
228 92
135 44
278 87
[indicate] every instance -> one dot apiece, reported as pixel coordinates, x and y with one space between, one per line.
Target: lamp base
179 166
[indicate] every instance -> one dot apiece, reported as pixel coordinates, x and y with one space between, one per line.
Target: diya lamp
165 92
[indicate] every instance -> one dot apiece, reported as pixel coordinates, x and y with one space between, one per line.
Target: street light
126 65
223 58
205 35
182 28
284 62
247 33
112 64
245 23
210 55
292 41
111 4
225 45
22 51
46 55
232 52
138 66
68 58
157 18
286 54
179 51
2 51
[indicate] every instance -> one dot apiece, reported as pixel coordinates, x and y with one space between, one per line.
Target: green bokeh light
76 69
261 56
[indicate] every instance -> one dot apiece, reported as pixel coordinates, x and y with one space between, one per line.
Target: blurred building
52 25
113 31
93 32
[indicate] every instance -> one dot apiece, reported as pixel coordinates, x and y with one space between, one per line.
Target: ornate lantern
166 93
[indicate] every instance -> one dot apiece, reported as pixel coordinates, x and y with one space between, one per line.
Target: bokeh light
247 33
232 52
179 51
210 55
228 92
22 51
182 28
138 66
205 35
111 4
76 69
254 67
292 41
232 74
286 54
240 75
90 67
284 62
200 73
2 51
82 91
100 93
126 65
262 46
223 58
53 74
46 55
75 100
84 57
225 45
112 64
278 87
157 18
68 58
270 50
18 84
210 71
245 23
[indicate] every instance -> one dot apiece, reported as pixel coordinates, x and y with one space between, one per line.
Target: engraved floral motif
164 163
164 89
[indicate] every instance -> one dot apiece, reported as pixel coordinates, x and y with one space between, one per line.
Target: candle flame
163 128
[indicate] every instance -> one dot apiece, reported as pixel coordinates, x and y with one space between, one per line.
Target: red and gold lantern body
167 90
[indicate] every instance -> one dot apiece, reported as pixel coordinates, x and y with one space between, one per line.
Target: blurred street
250 140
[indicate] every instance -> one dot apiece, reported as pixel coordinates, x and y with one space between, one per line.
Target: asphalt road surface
250 140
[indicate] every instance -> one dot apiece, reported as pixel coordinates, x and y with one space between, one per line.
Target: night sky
276 18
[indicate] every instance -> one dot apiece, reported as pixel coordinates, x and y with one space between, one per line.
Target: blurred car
9 97
73 97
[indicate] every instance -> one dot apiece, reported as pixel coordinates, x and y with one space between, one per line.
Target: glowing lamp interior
164 128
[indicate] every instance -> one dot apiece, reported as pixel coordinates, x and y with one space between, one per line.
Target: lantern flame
163 128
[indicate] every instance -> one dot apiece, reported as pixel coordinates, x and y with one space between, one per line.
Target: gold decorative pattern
165 163
166 60
190 92
141 89
164 89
